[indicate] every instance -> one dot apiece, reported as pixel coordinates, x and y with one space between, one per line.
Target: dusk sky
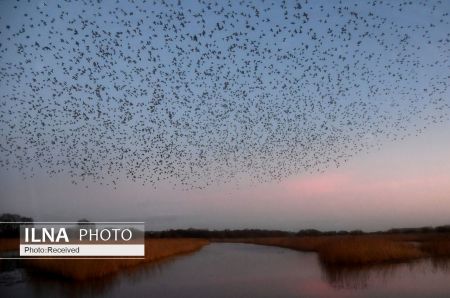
404 184
287 115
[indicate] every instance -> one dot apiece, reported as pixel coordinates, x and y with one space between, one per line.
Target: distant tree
425 230
329 233
8 228
343 232
82 223
309 232
356 232
443 229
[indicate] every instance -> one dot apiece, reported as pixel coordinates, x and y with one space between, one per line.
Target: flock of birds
199 92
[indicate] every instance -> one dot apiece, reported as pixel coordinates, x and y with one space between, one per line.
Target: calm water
240 270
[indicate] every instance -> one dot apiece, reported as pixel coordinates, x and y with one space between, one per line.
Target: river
240 270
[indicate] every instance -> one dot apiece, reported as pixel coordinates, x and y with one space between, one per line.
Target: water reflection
11 271
239 270
441 264
357 277
354 277
54 286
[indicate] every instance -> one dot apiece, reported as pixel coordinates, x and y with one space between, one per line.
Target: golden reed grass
332 250
83 269
367 250
362 249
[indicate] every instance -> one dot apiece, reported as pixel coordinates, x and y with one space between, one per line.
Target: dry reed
367 250
83 269
348 250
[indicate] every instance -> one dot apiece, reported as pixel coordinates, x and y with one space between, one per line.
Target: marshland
238 261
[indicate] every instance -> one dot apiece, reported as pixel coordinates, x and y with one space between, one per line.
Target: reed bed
438 247
358 250
366 251
83 269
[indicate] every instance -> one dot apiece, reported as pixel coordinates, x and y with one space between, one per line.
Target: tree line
9 228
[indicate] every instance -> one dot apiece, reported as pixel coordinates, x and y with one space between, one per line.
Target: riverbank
362 250
337 250
84 269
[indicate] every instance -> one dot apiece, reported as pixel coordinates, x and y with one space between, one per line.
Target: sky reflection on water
242 270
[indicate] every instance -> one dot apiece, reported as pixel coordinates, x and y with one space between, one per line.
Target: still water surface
240 270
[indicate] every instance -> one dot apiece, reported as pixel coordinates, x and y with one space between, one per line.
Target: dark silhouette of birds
200 92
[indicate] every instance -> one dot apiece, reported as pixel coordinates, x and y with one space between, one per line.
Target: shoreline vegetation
334 249
352 250
362 250
340 248
85 269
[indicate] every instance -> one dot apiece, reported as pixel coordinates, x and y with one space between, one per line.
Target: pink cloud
352 183
318 184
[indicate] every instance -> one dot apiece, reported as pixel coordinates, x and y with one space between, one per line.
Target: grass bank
362 249
367 250
155 249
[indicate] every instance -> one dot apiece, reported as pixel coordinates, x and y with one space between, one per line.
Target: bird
204 92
